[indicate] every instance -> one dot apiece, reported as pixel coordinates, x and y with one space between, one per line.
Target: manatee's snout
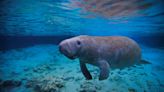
61 48
65 49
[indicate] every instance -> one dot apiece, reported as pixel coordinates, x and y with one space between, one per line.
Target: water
30 31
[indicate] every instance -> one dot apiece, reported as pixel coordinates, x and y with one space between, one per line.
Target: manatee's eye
78 42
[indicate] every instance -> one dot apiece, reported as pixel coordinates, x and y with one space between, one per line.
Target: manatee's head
70 47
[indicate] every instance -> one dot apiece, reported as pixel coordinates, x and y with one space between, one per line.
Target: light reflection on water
74 17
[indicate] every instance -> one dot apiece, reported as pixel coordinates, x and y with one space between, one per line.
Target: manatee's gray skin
103 52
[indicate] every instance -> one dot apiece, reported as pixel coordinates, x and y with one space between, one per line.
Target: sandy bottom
43 69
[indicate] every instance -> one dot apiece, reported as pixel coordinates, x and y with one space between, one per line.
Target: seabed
42 68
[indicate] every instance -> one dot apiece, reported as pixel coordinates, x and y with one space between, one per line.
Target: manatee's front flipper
104 69
85 71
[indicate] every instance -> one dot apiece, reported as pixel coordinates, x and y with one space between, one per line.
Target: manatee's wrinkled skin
104 52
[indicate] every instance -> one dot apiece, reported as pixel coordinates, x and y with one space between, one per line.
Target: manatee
105 52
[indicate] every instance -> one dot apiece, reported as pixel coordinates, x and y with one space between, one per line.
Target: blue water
30 31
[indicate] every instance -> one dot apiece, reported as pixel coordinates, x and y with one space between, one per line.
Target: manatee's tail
144 62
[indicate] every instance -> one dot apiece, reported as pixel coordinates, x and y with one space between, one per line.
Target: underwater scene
81 45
